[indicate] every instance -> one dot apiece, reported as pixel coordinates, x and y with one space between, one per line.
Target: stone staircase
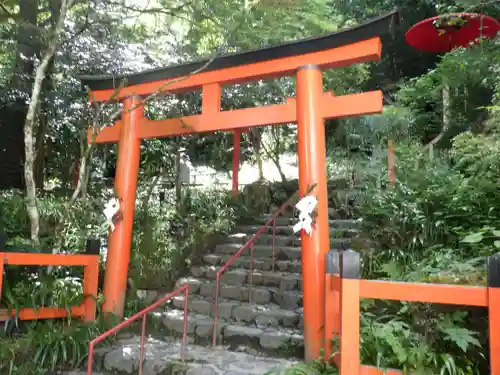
259 312
260 317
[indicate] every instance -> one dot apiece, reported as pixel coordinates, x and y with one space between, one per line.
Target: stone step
286 299
163 357
342 228
260 316
283 240
280 220
333 224
240 276
232 334
262 251
262 264
280 252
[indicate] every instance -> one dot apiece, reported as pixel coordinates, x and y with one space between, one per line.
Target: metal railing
135 317
249 245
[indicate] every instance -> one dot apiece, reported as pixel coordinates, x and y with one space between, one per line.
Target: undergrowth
42 347
167 237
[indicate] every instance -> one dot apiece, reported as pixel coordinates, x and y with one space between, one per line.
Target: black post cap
3 241
333 262
494 271
93 246
350 265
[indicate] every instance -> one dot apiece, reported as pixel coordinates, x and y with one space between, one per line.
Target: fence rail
90 263
345 288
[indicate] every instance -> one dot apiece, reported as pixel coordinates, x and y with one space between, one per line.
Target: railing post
350 272
332 303
494 312
91 279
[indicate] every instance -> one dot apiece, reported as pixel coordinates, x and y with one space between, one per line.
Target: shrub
168 238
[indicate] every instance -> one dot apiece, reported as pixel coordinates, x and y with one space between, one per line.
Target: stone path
162 357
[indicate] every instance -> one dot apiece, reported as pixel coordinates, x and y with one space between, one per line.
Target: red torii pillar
312 171
236 160
127 170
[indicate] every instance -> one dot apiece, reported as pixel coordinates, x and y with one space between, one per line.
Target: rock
201 370
233 292
174 320
226 309
205 328
273 340
242 331
147 296
291 253
287 300
200 306
244 314
273 317
124 359
211 259
272 279
260 296
194 284
289 282
266 320
236 277
332 212
198 271
258 196
207 290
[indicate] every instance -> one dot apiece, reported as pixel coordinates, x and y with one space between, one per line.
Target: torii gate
305 59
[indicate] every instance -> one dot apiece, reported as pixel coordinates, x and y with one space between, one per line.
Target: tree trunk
258 156
29 126
278 167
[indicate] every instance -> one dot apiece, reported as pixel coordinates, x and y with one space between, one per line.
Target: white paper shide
111 209
306 207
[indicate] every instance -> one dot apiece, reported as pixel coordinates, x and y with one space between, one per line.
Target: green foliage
167 238
85 221
436 225
316 367
401 337
435 202
45 347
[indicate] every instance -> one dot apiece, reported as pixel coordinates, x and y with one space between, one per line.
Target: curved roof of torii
376 27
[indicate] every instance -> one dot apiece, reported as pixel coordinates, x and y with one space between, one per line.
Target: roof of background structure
376 27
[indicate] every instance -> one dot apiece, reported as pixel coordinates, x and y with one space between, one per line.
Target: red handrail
142 313
250 245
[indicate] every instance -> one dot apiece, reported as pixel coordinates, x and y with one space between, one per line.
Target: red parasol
445 33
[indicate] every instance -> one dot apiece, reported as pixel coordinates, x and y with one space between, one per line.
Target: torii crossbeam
304 59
